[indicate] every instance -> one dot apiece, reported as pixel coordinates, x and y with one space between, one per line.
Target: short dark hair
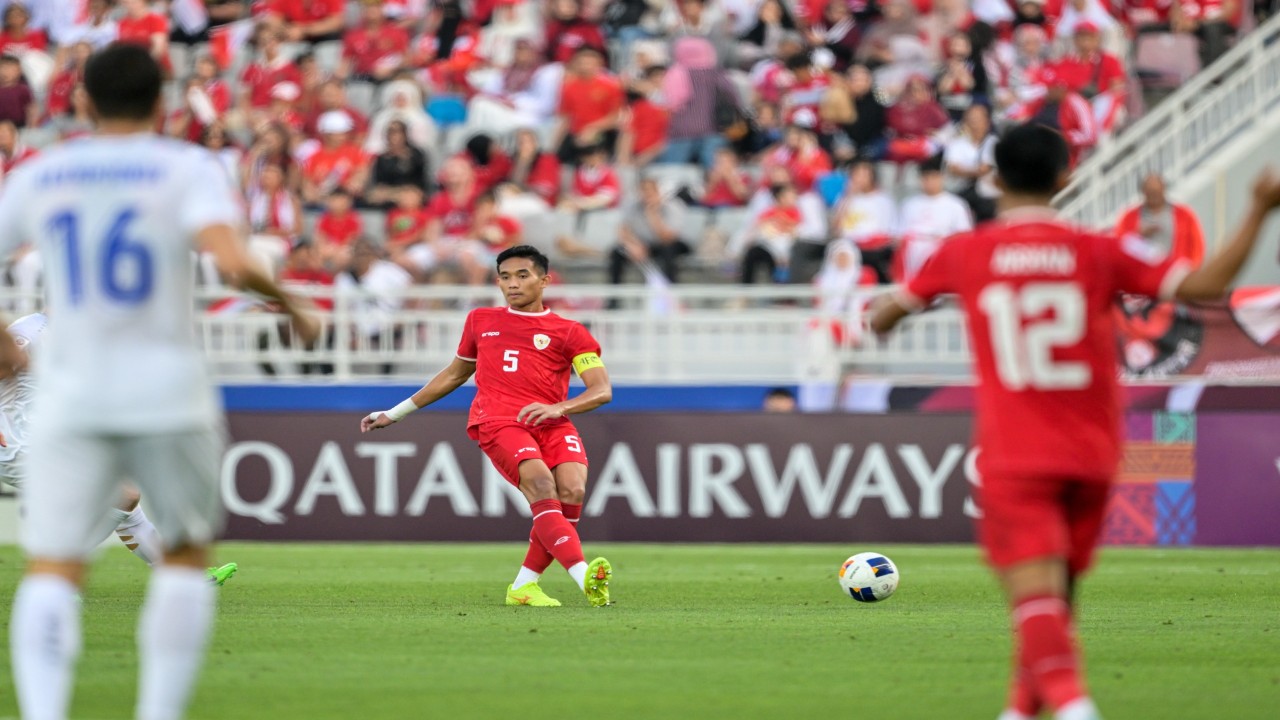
1030 158
932 165
123 81
799 61
540 261
780 392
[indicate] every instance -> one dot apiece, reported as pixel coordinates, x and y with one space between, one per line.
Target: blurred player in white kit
122 391
132 525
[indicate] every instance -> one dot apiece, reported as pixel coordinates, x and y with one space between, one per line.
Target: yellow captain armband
587 361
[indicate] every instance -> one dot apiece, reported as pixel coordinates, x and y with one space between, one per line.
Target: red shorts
1033 517
509 444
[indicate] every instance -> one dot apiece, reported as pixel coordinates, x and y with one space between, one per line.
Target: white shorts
67 510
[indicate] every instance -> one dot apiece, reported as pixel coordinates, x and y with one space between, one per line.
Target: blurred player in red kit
522 356
1038 293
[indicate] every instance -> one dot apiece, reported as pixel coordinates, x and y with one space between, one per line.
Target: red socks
537 558
557 535
1049 665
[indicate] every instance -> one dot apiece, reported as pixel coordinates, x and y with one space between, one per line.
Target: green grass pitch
704 632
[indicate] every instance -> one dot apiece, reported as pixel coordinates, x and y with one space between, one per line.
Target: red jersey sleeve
1142 269
936 277
467 345
580 342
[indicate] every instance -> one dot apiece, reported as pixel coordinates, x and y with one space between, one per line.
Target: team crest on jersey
541 341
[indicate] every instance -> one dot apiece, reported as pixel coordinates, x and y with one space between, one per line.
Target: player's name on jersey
99 174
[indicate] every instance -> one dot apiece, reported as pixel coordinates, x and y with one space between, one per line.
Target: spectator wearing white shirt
867 217
929 218
382 284
969 161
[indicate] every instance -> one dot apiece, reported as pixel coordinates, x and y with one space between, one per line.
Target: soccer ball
869 577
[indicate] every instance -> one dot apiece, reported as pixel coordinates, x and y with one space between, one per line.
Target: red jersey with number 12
1039 297
521 358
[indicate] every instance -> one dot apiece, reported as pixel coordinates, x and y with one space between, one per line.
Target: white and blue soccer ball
869 577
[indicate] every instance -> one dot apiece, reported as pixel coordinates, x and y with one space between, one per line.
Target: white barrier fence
683 334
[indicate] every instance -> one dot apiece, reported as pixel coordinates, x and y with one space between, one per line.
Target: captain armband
586 361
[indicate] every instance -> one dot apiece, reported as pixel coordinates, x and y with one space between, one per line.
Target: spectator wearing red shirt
337 229
913 120
1068 113
1213 21
567 32
407 221
799 153
339 163
644 124
18 37
375 51
535 171
305 269
272 68
142 27
806 88
332 97
492 233
489 164
1097 76
206 70
17 103
1172 228
12 152
595 184
728 185
591 103
772 237
453 208
1148 15
65 80
284 107
310 21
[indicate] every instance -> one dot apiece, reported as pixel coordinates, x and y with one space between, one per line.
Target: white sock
138 534
1078 709
579 574
176 621
525 576
1013 715
44 639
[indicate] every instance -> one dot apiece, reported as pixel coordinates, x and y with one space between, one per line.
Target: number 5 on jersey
1024 334
511 361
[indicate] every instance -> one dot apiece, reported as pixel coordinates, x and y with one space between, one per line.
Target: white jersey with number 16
115 220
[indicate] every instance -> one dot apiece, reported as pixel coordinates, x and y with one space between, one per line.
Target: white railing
1188 128
686 334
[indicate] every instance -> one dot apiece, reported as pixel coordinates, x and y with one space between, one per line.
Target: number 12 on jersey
1024 334
125 269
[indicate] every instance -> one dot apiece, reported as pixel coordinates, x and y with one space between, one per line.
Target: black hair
123 81
480 148
540 261
1030 158
799 61
869 164
780 392
933 164
777 190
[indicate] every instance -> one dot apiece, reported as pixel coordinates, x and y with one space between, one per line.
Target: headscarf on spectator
900 19
691 53
917 114
511 23
401 100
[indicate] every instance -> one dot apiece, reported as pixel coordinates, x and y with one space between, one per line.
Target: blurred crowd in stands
409 141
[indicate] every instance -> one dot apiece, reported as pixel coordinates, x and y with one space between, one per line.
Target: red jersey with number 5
521 358
1038 295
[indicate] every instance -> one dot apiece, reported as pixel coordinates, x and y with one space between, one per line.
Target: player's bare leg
44 637
1048 662
176 620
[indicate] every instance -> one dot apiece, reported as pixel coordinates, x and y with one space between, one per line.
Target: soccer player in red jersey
521 356
1038 294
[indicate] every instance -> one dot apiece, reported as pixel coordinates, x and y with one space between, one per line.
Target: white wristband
399 412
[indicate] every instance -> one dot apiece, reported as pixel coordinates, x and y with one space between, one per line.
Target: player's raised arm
1212 279
446 381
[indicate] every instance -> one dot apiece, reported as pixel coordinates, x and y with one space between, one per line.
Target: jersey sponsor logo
541 341
493 333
